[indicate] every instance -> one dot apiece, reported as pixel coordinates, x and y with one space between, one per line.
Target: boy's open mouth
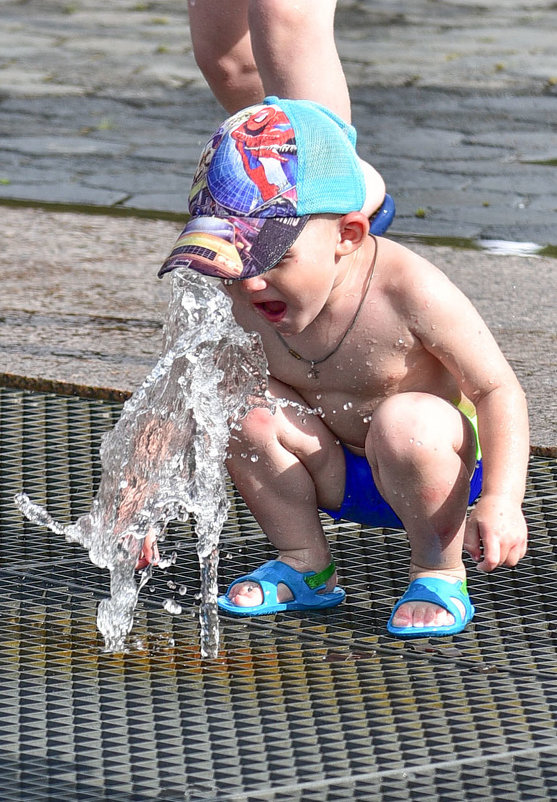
273 311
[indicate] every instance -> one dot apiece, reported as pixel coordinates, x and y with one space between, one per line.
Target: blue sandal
441 592
381 220
305 588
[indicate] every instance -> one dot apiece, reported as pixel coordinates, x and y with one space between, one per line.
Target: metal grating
323 706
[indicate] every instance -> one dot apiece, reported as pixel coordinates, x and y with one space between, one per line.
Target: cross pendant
313 372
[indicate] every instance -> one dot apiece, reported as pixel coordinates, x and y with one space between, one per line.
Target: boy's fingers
155 556
472 542
491 555
516 553
149 553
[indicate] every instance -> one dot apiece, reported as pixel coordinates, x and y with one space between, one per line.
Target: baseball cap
261 175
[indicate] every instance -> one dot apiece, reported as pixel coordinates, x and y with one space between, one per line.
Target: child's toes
419 615
246 594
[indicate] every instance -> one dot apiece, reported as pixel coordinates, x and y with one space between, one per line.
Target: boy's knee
223 69
404 424
258 425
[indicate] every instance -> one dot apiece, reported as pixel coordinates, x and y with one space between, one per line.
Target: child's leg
297 465
295 51
222 49
422 452
247 49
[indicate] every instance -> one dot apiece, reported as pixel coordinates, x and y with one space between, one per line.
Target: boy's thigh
299 430
301 426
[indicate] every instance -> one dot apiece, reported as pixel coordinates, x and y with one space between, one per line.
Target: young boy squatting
377 338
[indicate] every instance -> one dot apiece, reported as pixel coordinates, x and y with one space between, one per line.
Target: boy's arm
450 327
496 531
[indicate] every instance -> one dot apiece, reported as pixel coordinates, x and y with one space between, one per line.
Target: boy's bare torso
384 354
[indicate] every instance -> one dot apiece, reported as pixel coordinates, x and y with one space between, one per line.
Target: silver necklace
313 370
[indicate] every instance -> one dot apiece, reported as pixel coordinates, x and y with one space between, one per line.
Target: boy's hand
149 552
496 533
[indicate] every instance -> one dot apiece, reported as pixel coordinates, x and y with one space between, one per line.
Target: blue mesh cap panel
329 175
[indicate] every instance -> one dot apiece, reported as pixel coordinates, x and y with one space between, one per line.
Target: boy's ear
352 232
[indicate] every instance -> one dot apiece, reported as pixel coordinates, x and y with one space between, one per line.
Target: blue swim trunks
363 504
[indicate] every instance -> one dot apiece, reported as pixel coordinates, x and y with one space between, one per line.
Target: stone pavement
101 104
103 110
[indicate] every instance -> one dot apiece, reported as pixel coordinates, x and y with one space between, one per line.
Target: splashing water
164 459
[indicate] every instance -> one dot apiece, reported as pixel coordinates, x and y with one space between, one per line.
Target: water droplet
166 561
172 606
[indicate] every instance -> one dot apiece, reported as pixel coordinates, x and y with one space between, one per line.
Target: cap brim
233 247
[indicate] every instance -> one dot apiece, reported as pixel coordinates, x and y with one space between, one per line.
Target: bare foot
420 614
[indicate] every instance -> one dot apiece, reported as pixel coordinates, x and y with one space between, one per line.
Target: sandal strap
316 580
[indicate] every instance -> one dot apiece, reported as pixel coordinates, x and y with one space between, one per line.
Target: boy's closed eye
287 257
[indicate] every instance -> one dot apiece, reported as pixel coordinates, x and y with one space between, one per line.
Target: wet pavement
103 110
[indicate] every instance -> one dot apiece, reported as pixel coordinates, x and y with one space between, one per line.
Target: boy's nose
254 284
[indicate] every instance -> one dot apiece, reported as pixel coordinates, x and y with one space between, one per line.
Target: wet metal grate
322 706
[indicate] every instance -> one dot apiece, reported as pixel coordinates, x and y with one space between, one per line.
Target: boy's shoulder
400 255
399 265
409 281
